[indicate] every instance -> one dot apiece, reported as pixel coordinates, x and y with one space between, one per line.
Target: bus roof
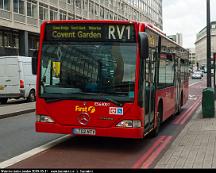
145 24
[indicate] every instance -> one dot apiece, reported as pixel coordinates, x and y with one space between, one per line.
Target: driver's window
56 67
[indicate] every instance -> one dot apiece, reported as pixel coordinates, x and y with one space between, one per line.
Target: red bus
107 78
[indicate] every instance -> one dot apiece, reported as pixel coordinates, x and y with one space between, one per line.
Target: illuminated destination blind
90 32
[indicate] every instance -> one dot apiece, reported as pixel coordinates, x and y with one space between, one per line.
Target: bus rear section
87 79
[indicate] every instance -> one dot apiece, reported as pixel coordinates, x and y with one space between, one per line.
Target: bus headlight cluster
44 119
129 124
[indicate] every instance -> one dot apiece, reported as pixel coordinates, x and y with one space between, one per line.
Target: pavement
194 147
10 110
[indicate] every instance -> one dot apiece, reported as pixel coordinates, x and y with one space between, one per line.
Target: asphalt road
17 136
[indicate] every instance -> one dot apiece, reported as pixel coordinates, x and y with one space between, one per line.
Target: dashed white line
194 83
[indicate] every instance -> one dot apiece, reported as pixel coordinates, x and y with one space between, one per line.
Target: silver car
196 75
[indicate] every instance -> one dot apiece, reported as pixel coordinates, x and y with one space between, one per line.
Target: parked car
16 78
196 75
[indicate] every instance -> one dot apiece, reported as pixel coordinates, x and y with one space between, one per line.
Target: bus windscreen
93 61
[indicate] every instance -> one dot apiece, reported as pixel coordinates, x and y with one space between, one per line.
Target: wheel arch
160 107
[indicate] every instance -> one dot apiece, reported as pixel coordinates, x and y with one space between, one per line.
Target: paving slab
194 147
9 110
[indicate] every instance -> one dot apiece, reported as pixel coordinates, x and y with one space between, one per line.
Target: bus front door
149 91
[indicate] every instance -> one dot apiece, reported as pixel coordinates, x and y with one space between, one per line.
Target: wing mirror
144 45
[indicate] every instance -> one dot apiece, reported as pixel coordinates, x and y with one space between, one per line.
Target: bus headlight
44 119
136 124
129 124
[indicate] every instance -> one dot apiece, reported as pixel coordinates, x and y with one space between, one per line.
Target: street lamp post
209 82
214 84
208 97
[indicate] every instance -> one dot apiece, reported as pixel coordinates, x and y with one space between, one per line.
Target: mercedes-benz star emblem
83 119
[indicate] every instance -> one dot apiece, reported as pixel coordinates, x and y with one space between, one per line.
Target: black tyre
3 100
180 105
155 132
31 97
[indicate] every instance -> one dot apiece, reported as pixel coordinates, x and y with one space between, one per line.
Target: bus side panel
185 91
172 101
169 101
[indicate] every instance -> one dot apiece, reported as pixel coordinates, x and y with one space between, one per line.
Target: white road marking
33 152
194 83
192 97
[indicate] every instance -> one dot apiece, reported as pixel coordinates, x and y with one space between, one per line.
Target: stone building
201 44
20 20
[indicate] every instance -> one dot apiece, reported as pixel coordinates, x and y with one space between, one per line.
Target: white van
16 78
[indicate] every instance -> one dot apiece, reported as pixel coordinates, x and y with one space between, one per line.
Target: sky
187 17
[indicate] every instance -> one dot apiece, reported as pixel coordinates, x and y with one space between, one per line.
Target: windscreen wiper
113 101
100 97
50 100
54 99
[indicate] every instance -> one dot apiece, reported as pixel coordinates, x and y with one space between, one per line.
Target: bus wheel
180 105
31 97
179 109
155 132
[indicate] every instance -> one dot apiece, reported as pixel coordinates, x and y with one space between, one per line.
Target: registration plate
84 132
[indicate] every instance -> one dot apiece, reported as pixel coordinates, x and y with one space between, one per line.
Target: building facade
20 20
192 57
178 38
201 44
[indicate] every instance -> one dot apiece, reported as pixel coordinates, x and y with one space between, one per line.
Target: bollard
208 103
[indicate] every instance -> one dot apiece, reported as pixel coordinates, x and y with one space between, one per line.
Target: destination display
90 32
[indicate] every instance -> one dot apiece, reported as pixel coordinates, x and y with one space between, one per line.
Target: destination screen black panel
90 32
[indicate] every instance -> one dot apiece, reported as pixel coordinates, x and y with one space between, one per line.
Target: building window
16 37
91 8
11 40
53 14
78 4
96 10
7 39
18 6
71 17
32 8
102 12
43 12
5 4
33 43
62 15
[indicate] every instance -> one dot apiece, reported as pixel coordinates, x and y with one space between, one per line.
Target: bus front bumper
115 132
